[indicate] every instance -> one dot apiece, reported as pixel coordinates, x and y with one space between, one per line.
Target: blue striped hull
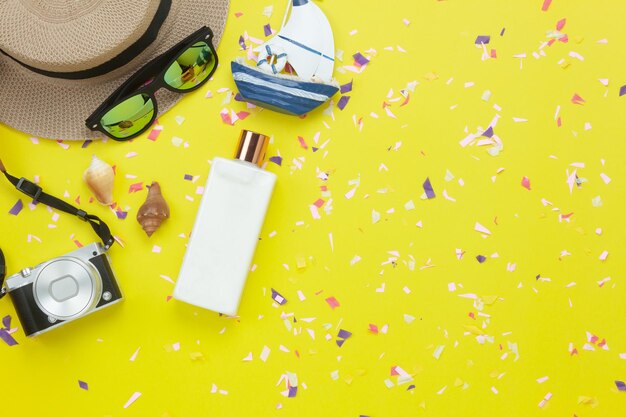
283 95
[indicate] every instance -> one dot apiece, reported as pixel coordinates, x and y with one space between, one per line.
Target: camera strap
36 193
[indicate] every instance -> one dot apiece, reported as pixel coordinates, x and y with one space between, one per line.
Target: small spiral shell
154 210
99 177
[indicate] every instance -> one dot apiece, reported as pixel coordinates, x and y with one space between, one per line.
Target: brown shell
154 210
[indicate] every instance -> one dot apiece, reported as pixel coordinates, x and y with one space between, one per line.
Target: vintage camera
63 289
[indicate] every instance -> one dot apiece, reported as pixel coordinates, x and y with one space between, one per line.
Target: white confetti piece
438 351
375 217
134 356
605 178
354 260
179 119
265 353
482 229
131 154
156 249
132 399
176 141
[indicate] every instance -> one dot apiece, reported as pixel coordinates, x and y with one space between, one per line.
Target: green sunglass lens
129 117
191 68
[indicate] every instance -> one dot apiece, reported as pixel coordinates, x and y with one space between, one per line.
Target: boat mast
286 14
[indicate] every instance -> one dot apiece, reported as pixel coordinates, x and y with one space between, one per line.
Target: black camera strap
36 193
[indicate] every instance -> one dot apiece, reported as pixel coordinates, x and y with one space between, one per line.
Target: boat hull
280 93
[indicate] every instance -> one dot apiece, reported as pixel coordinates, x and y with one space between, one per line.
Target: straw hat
62 58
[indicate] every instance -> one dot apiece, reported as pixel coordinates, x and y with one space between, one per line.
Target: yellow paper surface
540 305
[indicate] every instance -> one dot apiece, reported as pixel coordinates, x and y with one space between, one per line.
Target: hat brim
56 109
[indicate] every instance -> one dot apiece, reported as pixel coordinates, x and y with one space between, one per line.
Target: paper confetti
83 385
428 189
17 207
132 399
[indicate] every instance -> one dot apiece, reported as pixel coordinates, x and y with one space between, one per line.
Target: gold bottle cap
252 147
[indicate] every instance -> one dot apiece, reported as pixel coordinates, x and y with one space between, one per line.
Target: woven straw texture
55 108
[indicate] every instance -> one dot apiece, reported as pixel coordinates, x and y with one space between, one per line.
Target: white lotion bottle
227 228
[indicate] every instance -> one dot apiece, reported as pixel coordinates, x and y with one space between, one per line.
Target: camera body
63 289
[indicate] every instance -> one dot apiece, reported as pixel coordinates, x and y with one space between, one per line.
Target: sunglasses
132 108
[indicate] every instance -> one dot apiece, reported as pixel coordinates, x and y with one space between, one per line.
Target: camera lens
66 288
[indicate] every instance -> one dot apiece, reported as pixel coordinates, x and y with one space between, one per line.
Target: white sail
307 38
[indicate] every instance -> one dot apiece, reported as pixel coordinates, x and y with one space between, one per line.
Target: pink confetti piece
605 178
560 24
156 249
17 207
546 5
318 203
302 142
225 114
332 302
135 187
526 183
576 99
132 399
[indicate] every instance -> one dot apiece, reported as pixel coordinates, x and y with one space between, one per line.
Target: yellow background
542 315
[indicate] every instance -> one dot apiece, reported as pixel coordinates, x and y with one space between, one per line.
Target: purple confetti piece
188 177
410 387
621 386
314 149
239 97
622 90
278 298
292 392
488 133
502 31
344 334
278 160
121 214
537 277
345 88
242 43
17 207
340 342
343 101
86 143
267 29
83 385
481 258
8 339
6 322
484 39
360 59
428 189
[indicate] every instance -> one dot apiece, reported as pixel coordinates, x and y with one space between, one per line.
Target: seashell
154 210
99 178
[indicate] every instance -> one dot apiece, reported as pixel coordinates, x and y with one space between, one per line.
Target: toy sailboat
306 43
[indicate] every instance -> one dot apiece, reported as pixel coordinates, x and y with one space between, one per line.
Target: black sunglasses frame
154 83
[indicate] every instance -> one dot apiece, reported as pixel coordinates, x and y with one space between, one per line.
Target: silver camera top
65 287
